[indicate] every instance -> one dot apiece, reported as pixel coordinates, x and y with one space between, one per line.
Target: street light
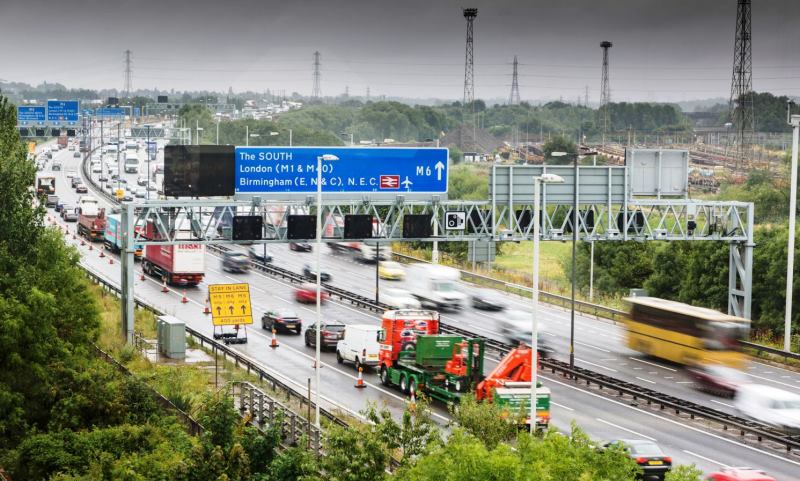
574 246
248 135
273 133
317 363
537 182
794 121
351 137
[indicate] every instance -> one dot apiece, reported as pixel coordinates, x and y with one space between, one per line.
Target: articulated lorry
91 218
181 264
112 237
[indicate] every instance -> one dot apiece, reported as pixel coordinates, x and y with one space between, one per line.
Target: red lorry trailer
181 264
91 219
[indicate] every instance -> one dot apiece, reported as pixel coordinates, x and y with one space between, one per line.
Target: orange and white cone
360 380
83 242
141 276
164 286
413 398
184 299
206 309
110 260
103 251
274 343
90 246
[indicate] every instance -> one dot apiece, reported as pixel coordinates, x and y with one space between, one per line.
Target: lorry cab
399 331
359 345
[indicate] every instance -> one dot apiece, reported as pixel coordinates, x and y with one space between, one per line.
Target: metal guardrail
744 426
583 307
240 361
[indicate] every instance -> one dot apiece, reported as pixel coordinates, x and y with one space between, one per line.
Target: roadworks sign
230 304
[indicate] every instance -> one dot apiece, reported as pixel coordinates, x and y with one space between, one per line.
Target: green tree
486 421
559 143
684 473
355 453
410 438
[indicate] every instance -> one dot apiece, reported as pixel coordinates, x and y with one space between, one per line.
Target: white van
359 345
769 405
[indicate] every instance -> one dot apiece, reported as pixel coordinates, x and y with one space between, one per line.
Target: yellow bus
685 334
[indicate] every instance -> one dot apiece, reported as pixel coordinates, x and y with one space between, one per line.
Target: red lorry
62 142
181 264
91 219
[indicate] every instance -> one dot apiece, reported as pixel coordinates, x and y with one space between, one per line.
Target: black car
311 274
282 319
300 246
235 262
650 458
260 254
330 334
75 181
485 302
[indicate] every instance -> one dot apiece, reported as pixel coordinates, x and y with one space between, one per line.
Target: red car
716 379
307 293
739 474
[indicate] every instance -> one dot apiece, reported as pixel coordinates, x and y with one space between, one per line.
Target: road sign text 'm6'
291 172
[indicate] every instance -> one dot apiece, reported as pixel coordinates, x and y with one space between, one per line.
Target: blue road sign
110 112
62 110
31 114
266 170
137 112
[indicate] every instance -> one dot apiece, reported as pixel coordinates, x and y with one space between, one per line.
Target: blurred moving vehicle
282 319
715 379
260 254
485 301
300 246
81 188
769 405
307 293
739 474
436 286
235 262
398 298
685 334
391 270
517 326
650 458
330 334
311 274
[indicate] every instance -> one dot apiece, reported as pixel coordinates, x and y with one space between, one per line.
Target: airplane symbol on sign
390 181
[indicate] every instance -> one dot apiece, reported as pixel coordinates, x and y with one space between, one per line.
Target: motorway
599 347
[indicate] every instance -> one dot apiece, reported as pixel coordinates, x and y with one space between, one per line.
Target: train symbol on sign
390 181
455 220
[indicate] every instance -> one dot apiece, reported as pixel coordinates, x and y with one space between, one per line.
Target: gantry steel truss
208 222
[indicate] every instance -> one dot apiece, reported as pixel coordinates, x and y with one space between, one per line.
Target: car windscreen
645 449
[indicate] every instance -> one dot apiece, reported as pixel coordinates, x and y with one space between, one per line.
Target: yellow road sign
31 147
230 304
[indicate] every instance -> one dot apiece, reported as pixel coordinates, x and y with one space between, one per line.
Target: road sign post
383 173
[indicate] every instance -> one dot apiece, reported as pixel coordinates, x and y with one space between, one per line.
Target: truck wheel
308 341
404 383
412 386
384 376
409 346
339 357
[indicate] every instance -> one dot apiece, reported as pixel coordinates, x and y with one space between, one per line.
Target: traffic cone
141 276
184 299
413 398
360 381
102 251
110 260
164 286
83 242
206 309
274 343
90 246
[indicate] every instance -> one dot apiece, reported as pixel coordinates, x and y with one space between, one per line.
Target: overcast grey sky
663 49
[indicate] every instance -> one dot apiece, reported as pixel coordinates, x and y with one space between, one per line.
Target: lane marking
652 364
559 405
598 365
770 380
684 382
705 459
645 380
593 347
625 429
720 402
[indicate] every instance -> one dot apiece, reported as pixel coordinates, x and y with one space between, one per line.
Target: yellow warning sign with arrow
230 304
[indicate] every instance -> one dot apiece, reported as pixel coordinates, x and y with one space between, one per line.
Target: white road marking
706 459
593 347
645 380
652 364
684 382
598 365
720 402
559 405
625 429
770 380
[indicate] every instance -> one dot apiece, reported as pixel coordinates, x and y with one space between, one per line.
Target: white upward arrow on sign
439 168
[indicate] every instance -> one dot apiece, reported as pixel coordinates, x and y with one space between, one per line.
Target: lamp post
537 183
794 121
273 133
317 362
574 223
217 131
346 134
197 129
